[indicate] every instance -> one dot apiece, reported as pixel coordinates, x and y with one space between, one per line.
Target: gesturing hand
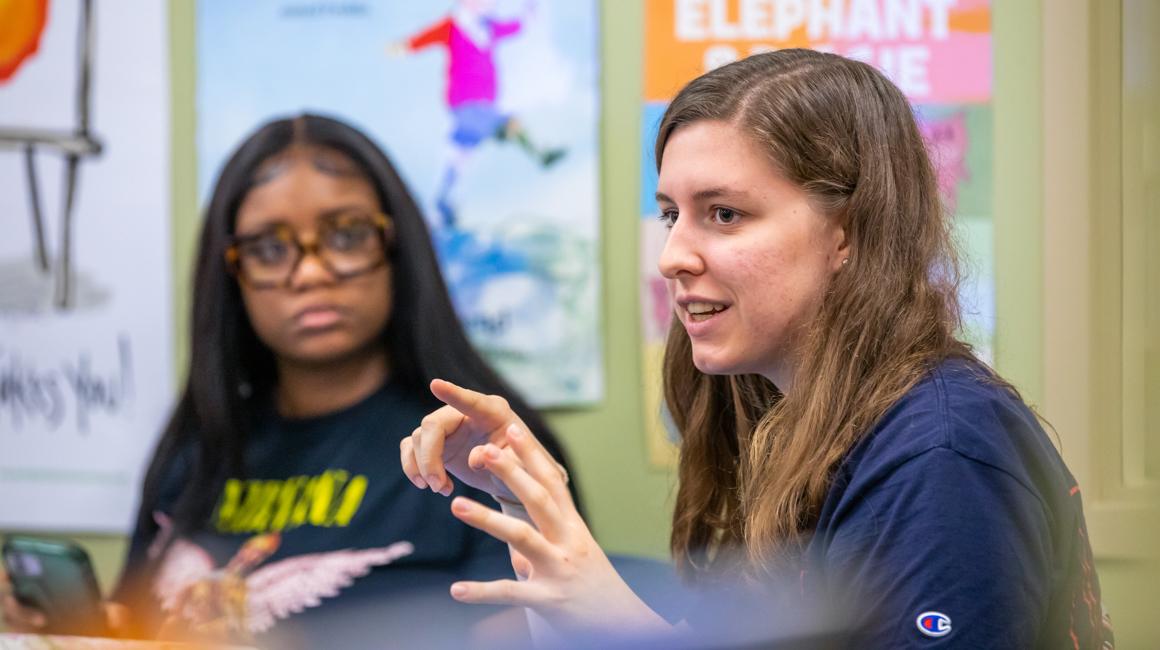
566 577
444 441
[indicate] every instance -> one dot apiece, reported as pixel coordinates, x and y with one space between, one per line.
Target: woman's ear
841 250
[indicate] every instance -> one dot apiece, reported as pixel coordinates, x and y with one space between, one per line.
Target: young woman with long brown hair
833 428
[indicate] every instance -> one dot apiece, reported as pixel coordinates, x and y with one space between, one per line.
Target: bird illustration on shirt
244 597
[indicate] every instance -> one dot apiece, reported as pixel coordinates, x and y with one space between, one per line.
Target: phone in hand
56 577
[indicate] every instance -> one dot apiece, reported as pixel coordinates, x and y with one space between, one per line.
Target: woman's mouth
703 311
316 318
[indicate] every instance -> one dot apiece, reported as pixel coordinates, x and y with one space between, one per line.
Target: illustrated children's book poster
490 110
86 328
937 51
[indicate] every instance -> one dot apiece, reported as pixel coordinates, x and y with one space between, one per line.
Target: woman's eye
668 218
345 238
724 216
268 250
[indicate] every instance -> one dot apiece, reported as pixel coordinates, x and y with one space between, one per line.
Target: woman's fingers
118 616
520 564
443 445
518 534
16 616
428 443
535 498
410 465
497 592
489 412
19 618
538 463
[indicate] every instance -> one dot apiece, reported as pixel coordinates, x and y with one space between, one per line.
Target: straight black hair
230 367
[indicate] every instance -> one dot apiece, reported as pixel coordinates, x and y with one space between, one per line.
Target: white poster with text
86 330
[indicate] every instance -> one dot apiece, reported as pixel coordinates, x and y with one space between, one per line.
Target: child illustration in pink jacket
470 33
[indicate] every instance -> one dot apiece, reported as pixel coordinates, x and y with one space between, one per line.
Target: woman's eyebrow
267 222
719 192
263 226
346 207
709 193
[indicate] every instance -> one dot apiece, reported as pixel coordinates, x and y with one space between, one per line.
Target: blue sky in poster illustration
259 59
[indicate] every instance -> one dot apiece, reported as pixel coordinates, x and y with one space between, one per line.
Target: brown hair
755 464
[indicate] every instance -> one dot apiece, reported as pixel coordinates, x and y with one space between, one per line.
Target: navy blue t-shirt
956 524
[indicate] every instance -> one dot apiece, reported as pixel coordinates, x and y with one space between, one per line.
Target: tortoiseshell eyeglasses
348 244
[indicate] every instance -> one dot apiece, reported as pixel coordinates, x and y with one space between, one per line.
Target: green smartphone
56 577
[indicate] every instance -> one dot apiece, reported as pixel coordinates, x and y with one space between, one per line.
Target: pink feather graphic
185 564
290 586
243 598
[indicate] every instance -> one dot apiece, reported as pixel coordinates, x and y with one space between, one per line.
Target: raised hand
566 577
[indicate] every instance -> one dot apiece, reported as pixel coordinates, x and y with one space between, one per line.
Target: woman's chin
714 365
323 350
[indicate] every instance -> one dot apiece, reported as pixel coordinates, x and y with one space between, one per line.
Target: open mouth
702 311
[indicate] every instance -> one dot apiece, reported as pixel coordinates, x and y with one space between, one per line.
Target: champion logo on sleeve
933 624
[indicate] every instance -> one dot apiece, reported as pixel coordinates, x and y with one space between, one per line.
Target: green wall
1130 588
628 501
1018 142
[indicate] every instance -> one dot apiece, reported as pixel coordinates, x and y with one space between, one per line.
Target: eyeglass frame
382 221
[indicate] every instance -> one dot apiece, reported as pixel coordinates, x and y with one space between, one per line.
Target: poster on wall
86 329
490 111
938 52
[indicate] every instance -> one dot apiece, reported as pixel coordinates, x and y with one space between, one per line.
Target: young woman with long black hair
319 318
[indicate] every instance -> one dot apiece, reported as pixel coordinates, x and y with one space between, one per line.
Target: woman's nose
681 253
311 271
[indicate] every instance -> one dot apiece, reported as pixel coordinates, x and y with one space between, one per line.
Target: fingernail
461 505
492 453
419 482
446 491
514 432
458 590
432 481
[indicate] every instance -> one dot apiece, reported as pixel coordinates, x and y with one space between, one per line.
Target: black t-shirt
323 542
